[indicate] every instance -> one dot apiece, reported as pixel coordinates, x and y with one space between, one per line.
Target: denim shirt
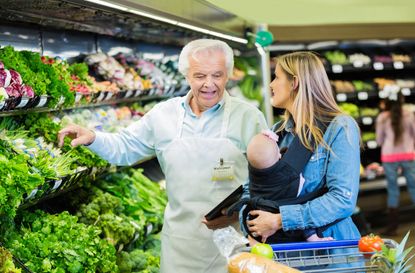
338 169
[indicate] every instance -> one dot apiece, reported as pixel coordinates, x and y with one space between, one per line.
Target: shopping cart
313 257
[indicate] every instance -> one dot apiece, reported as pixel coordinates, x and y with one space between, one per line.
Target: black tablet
231 199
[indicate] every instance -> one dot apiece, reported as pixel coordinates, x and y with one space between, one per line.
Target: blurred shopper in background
395 133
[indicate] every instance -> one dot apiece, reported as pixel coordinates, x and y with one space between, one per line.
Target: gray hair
205 45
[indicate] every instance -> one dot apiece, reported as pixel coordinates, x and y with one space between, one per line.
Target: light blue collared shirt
150 135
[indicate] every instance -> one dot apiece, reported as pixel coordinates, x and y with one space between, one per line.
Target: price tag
61 100
32 194
2 103
42 101
358 63
101 96
57 184
378 66
398 65
406 91
341 97
23 102
78 97
109 96
149 229
129 94
337 68
371 144
137 93
367 120
251 72
362 95
383 94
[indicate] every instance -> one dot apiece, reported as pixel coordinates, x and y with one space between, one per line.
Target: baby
263 153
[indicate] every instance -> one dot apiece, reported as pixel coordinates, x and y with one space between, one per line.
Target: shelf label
137 93
398 65
362 95
128 94
78 97
32 194
251 72
2 103
358 63
42 101
23 102
109 96
371 144
341 97
383 94
406 91
149 229
337 68
367 120
57 184
101 96
61 100
378 66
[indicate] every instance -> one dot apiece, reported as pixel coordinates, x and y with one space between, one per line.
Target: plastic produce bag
231 244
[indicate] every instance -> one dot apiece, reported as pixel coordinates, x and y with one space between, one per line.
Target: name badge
223 172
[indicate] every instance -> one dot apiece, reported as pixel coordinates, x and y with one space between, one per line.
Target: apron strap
226 115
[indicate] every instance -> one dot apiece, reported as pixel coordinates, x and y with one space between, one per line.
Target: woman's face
281 88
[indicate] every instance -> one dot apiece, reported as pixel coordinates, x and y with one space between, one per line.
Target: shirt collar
289 126
189 95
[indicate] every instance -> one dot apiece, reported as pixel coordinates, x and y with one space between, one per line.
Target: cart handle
315 245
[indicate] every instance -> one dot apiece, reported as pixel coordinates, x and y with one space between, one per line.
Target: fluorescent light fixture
286 47
169 21
152 16
107 4
321 45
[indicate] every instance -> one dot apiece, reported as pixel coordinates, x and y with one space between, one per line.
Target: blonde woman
302 88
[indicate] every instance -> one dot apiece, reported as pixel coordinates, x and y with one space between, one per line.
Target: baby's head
263 151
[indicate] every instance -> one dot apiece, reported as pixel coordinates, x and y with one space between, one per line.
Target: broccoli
104 211
137 261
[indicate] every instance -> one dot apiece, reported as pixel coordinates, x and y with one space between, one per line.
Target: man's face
207 77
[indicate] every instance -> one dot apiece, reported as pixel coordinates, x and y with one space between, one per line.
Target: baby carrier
290 165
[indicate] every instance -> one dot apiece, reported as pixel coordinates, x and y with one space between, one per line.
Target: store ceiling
320 12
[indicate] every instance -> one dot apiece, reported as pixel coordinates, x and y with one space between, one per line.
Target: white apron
187 244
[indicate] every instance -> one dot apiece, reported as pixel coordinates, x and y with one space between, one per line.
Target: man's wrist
93 137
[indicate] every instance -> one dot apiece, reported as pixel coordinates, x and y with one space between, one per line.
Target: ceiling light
169 21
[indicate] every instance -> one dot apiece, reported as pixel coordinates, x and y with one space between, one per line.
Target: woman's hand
265 224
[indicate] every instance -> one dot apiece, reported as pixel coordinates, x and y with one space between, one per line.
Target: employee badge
224 171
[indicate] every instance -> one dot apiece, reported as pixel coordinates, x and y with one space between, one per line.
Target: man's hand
222 221
78 134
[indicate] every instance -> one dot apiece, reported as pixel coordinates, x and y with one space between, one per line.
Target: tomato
370 243
264 250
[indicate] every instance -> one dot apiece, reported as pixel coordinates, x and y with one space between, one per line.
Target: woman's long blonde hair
313 98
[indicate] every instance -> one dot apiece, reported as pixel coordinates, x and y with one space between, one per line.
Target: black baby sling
291 164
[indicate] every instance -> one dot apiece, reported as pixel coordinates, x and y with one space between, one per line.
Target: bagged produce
251 263
231 244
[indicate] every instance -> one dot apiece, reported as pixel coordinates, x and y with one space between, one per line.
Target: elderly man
192 137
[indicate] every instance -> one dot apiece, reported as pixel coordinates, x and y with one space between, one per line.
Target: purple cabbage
15 77
27 91
13 90
5 78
